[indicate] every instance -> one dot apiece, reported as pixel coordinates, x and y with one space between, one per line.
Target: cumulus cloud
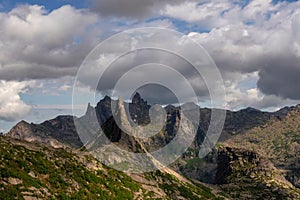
257 37
218 13
136 9
39 44
264 40
11 105
155 59
243 37
206 14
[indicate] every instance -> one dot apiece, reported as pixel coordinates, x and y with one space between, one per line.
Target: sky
255 45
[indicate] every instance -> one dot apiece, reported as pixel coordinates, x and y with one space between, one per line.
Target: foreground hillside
278 143
246 174
34 171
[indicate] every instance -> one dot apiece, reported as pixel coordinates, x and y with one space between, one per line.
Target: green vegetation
59 174
47 173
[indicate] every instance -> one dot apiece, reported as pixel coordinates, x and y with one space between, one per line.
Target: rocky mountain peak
103 109
139 110
106 99
120 113
297 108
90 110
250 110
294 112
137 98
55 132
21 130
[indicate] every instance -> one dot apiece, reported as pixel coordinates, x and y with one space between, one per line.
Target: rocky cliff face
245 174
103 109
115 134
235 123
139 110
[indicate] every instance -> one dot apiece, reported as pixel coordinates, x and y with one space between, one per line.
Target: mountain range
256 156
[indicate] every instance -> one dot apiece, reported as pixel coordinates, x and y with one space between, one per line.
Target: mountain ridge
236 121
245 164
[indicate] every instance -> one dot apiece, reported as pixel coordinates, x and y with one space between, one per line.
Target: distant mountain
55 132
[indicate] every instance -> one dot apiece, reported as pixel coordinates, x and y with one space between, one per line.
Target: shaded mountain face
139 110
103 110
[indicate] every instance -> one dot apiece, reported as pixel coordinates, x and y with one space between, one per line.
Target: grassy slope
46 173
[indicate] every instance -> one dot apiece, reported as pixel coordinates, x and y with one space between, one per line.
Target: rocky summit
256 157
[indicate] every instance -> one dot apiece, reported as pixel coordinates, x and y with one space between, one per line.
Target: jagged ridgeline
250 161
63 130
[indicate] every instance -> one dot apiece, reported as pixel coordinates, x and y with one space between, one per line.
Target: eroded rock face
115 134
248 175
232 160
22 131
139 110
103 109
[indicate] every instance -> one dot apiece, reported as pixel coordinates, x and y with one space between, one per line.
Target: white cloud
11 105
265 39
39 44
207 14
261 38
241 92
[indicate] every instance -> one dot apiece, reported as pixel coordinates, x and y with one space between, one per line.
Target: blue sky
45 42
7 5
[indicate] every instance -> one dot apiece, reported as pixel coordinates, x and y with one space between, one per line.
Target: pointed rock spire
106 99
121 116
90 110
136 98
